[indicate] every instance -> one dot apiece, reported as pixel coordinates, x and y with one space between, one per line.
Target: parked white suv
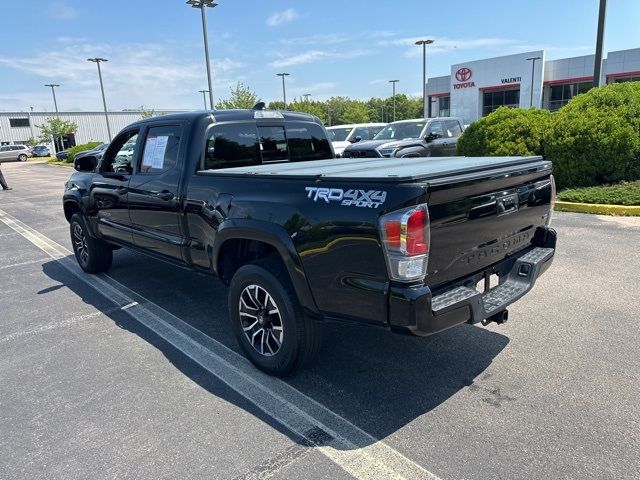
10 153
341 136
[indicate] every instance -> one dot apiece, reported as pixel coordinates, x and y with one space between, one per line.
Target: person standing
3 182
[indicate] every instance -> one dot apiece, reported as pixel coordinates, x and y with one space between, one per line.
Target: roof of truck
234 115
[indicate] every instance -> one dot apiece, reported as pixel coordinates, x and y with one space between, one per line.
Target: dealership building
476 88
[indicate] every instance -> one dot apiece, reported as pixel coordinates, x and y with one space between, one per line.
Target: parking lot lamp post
533 68
284 91
394 97
424 44
97 61
204 97
53 91
602 13
201 4
306 96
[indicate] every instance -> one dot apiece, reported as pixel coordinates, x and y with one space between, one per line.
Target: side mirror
430 137
356 139
85 164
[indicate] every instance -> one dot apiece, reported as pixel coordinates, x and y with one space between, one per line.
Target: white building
476 88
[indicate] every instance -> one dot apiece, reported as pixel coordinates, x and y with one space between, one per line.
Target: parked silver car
10 153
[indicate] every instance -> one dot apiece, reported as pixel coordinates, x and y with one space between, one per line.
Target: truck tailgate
480 219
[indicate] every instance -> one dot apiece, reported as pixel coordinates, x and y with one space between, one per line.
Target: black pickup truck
255 197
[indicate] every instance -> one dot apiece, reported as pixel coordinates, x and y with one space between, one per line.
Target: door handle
121 190
164 195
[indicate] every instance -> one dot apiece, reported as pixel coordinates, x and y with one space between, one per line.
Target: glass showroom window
561 94
493 100
444 106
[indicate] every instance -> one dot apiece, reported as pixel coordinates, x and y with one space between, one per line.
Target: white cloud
279 18
444 44
136 74
311 56
63 11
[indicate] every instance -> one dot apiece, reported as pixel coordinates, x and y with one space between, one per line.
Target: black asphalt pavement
87 391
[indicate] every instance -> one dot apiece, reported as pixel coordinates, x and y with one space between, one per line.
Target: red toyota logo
463 74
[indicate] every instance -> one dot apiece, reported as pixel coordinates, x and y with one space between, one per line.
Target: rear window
307 141
232 145
244 144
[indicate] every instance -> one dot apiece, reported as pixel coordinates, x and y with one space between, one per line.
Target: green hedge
621 194
595 138
71 153
506 131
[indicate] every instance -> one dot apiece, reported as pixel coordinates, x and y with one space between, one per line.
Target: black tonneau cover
378 169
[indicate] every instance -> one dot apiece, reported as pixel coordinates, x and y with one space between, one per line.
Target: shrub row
593 140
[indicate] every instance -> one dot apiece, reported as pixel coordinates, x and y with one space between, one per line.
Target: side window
232 145
273 144
307 141
373 131
4 149
160 151
119 156
435 129
453 128
361 132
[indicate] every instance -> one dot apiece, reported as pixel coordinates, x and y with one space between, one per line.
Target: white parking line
350 447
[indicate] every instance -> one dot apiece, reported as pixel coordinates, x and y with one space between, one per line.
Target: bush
622 194
71 153
506 131
595 138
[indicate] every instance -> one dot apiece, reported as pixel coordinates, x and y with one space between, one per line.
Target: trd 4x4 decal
352 197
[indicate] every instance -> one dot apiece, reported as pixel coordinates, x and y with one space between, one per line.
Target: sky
330 48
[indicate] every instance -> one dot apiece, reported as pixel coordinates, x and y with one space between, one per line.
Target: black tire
301 335
93 255
22 157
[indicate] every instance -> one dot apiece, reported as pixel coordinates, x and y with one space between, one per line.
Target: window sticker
154 151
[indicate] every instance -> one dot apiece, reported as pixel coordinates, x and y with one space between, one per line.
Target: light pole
382 113
201 4
533 67
306 96
53 91
284 91
394 97
424 43
97 61
204 97
602 13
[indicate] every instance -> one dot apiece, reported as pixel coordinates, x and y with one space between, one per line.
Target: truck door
153 191
435 138
109 190
453 130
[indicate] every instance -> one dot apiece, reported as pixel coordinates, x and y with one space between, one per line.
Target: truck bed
378 169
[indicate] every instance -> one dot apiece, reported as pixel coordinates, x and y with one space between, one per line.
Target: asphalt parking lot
137 375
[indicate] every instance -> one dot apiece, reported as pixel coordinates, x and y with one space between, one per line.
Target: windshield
398 131
338 134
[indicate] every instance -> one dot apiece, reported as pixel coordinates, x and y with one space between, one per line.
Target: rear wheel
22 157
93 255
268 321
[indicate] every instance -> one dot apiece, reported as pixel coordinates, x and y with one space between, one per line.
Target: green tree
149 112
313 107
31 142
55 128
355 112
241 97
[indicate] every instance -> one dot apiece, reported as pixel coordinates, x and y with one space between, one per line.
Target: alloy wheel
261 320
80 244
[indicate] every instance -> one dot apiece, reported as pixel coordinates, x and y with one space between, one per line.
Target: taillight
552 204
405 239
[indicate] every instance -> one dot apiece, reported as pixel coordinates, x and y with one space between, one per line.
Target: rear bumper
419 311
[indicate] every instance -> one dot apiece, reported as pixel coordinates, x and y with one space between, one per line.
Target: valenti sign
463 75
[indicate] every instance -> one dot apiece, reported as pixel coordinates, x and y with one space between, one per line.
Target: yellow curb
598 208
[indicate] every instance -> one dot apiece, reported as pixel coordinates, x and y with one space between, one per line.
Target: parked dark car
96 152
41 151
432 137
300 237
62 155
